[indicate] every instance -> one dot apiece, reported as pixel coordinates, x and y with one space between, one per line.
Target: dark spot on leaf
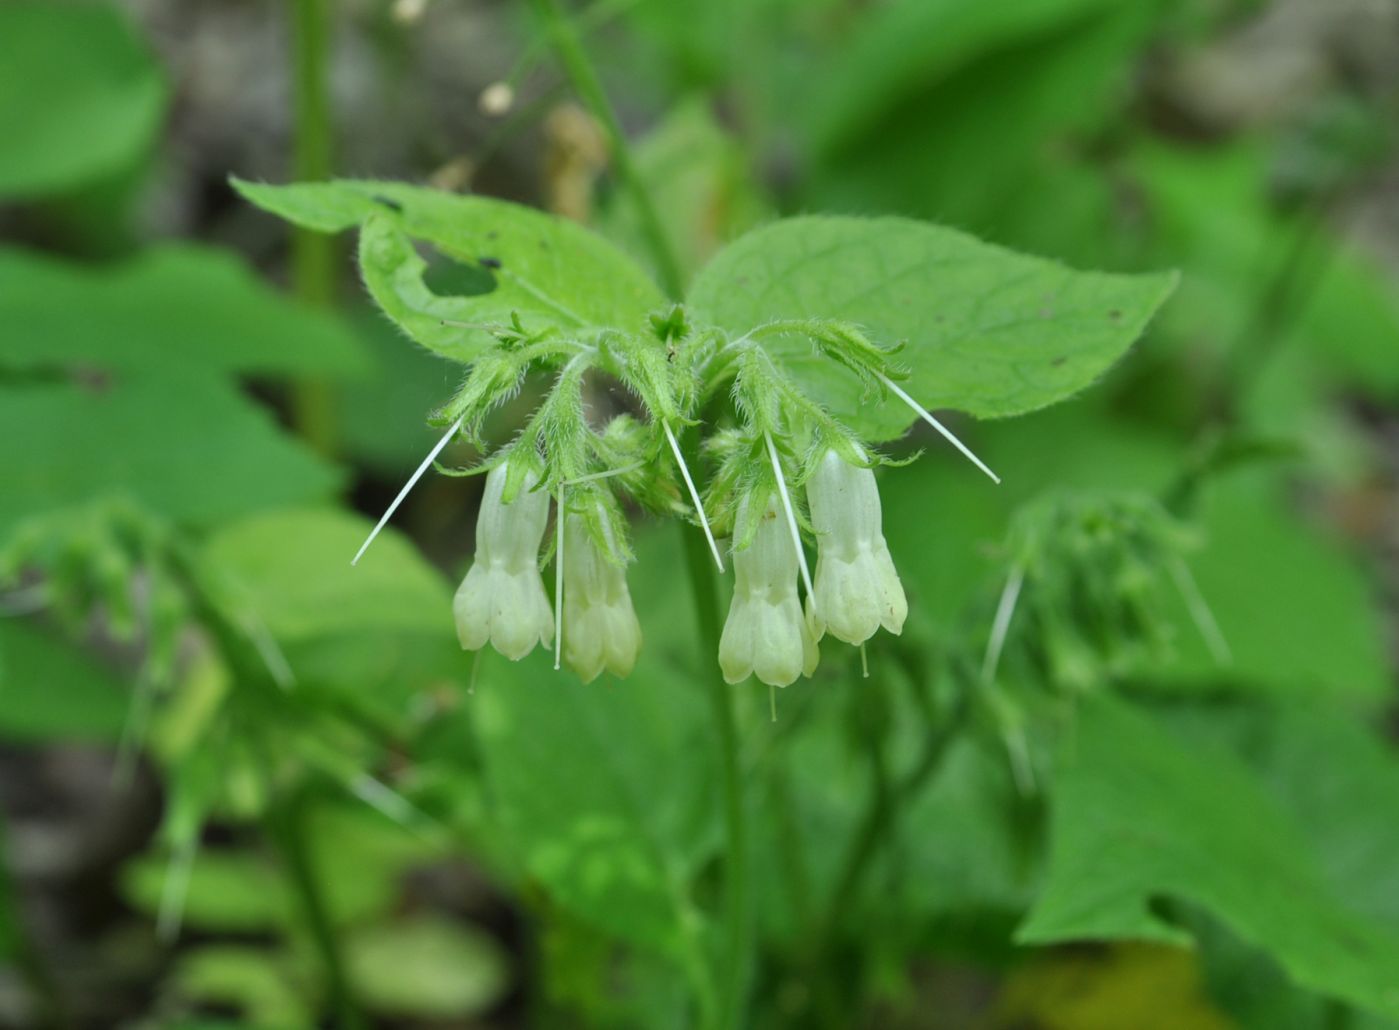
388 202
489 262
492 234
1114 314
1058 361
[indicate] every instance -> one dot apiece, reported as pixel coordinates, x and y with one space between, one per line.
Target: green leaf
80 96
1138 815
261 985
192 448
989 332
1261 571
228 891
50 690
426 967
293 568
492 259
173 307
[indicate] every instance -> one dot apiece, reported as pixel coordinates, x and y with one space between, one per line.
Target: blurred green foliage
177 580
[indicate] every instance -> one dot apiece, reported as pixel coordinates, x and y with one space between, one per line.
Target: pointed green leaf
988 331
429 256
1138 816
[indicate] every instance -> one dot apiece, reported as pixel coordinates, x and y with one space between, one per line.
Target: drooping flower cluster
782 448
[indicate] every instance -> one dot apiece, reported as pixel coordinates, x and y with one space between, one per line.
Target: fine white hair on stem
558 583
412 481
694 495
928 418
175 889
1000 626
382 798
791 516
1200 612
271 653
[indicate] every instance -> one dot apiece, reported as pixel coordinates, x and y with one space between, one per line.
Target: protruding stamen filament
590 477
694 496
558 584
1000 626
1199 609
791 515
928 418
412 481
864 663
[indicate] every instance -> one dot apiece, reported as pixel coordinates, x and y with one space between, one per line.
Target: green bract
828 334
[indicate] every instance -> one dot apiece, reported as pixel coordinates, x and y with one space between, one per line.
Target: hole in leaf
447 277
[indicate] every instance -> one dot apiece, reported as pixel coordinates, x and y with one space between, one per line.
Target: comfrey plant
796 352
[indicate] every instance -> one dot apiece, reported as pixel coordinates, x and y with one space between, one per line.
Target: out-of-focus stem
581 73
312 253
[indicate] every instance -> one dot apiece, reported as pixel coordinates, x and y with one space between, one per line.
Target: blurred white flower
502 600
766 634
857 589
600 625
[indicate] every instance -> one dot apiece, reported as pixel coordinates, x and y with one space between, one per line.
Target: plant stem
312 253
888 799
581 73
286 821
736 942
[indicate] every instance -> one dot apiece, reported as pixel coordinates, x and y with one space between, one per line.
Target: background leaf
80 96
192 448
1137 816
172 308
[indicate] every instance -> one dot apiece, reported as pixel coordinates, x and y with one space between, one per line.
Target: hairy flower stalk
601 630
766 634
857 589
501 601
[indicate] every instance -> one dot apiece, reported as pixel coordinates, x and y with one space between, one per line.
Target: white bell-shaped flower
502 599
857 589
600 626
766 634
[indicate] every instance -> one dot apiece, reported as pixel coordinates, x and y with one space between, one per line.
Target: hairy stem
312 253
581 73
736 920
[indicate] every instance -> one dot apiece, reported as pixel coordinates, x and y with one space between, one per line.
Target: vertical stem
588 86
312 253
286 821
736 943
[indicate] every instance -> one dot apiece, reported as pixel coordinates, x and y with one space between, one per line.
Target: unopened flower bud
600 625
502 599
857 589
766 634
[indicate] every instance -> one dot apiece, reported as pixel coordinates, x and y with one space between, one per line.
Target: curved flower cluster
785 465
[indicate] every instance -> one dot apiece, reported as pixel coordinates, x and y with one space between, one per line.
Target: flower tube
600 626
502 599
857 589
766 634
